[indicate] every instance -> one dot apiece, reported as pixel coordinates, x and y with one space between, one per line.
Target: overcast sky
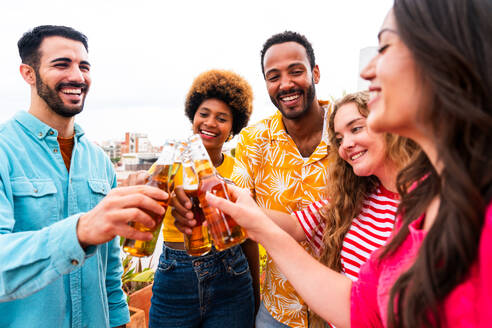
145 54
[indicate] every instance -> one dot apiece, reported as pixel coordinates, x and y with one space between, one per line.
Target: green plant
135 276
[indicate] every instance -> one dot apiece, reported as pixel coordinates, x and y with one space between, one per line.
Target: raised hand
121 206
181 211
135 178
244 211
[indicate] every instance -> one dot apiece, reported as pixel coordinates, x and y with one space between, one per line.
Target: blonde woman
360 215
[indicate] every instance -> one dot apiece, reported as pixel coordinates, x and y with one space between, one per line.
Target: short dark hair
30 41
226 86
288 36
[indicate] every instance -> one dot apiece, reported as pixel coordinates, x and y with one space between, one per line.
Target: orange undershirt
66 147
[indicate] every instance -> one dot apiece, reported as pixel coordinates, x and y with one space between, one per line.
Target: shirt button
52 133
75 262
40 134
55 150
35 191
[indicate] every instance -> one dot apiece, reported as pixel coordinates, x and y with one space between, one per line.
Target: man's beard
311 93
53 100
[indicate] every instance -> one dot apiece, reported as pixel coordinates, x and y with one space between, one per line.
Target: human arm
111 216
33 258
327 292
250 249
119 314
118 307
135 178
241 176
181 211
288 223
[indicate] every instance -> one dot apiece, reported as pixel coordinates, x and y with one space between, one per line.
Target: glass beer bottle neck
204 168
205 173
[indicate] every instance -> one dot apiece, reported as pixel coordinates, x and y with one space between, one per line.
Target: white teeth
72 91
353 158
210 134
290 98
373 94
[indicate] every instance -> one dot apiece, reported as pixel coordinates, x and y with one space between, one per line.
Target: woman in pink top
360 216
431 82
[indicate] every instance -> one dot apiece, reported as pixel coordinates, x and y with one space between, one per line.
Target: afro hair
226 86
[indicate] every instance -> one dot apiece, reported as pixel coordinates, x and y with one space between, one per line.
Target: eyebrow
385 30
355 120
68 60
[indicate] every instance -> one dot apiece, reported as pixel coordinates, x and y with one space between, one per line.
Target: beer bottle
198 243
161 176
225 232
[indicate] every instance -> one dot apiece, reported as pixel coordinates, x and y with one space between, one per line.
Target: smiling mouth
72 88
289 97
357 155
208 133
374 94
76 92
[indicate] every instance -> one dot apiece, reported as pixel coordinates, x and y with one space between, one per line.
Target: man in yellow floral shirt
283 159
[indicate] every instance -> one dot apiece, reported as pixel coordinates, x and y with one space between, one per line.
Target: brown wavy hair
347 191
451 43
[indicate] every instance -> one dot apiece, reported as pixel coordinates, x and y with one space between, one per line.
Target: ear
28 74
316 74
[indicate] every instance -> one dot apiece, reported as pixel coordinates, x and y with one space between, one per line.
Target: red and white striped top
369 230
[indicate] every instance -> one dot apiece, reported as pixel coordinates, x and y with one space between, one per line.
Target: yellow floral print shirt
270 165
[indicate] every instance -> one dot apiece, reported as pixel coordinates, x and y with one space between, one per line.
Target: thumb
222 204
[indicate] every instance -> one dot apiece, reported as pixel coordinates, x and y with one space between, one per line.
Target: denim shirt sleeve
31 260
118 307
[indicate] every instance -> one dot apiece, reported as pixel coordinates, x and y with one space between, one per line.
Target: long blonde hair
347 191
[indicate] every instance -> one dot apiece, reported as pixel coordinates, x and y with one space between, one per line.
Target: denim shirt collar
40 129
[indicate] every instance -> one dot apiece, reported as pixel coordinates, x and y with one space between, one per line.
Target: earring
230 137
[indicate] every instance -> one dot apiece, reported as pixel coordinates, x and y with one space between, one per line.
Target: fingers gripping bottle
198 243
225 232
161 176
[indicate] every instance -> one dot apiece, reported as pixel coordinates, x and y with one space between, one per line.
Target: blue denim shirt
46 278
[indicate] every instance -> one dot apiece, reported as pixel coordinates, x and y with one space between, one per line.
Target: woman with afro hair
216 289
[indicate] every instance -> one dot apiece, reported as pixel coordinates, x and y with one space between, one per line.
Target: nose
369 72
347 143
210 121
285 82
76 75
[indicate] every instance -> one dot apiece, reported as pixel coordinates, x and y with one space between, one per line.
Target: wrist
81 235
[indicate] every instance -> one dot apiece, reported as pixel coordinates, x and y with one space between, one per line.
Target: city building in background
134 153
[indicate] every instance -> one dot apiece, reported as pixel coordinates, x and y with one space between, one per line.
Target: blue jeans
265 320
214 290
